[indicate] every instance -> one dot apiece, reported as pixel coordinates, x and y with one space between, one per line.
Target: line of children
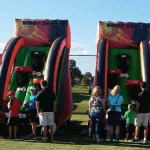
14 106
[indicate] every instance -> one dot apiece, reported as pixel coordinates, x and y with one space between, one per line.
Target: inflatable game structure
39 50
123 58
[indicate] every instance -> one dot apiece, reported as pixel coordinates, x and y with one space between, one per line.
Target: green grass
80 105
80 119
73 140
80 100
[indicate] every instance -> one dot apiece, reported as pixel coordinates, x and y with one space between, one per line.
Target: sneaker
52 140
44 140
117 138
111 138
131 140
134 140
32 137
126 139
1 137
144 141
15 137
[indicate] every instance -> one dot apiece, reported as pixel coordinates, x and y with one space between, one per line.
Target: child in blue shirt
33 112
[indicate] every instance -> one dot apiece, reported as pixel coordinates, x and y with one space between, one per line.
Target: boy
130 118
14 106
33 112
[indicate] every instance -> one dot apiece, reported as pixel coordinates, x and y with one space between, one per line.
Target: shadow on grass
75 106
73 137
88 141
77 122
78 97
84 140
80 113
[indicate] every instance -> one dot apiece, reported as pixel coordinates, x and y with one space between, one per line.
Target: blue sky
83 16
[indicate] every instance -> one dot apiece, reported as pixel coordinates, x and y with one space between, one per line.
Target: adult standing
96 109
142 112
46 103
114 119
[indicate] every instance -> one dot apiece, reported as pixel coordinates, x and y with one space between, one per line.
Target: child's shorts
33 113
13 121
130 128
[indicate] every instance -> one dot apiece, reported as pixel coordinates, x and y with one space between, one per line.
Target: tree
74 71
87 78
88 74
77 73
72 64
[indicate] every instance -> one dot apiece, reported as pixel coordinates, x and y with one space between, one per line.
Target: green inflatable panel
19 61
134 71
29 62
24 58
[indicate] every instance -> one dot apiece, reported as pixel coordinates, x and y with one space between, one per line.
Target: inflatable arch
39 50
123 58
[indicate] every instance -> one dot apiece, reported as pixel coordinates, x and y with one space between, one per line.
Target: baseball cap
11 93
32 88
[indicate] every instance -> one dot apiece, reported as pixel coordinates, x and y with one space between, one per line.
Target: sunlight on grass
80 105
80 100
82 119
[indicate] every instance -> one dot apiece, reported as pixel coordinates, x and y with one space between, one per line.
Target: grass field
80 100
73 140
68 142
80 105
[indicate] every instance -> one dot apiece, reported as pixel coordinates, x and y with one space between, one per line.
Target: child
14 106
107 127
33 112
130 118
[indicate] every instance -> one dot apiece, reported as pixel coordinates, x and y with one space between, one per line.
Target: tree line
77 77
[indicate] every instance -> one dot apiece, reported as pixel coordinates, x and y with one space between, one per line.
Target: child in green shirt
130 118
